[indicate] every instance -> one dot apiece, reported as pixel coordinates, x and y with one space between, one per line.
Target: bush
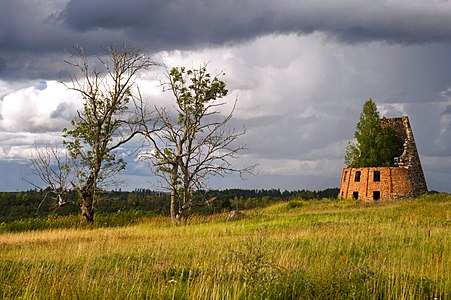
295 204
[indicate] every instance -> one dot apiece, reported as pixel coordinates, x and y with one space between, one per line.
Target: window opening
355 195
357 176
377 176
376 195
344 177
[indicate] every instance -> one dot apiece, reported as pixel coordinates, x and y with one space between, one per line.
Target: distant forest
32 203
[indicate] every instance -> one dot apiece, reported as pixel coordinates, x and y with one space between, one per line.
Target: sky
300 69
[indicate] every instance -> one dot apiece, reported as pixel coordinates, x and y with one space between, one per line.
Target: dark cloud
64 111
167 24
447 110
3 66
33 31
181 23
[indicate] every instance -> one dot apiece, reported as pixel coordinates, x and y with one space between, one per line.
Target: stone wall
385 183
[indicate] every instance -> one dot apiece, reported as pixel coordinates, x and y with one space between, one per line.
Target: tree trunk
187 198
173 207
174 178
86 205
184 214
86 195
87 212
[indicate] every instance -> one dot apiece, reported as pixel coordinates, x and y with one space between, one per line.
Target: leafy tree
196 142
107 120
352 155
376 144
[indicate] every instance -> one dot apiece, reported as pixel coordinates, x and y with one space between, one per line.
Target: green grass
120 218
321 249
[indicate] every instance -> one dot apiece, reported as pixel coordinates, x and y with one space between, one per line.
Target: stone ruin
235 215
404 180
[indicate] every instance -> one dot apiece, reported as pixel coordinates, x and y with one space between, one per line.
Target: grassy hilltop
325 249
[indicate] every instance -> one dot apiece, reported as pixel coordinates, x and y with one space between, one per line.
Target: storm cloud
34 35
187 23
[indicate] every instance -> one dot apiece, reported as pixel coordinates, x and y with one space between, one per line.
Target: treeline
34 203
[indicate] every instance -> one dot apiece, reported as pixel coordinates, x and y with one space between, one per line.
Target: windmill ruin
404 180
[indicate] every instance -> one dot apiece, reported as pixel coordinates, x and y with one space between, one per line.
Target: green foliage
24 206
193 90
295 204
376 145
352 155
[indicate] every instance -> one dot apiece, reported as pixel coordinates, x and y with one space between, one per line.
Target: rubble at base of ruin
404 180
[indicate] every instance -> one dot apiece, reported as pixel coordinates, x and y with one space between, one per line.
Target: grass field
323 249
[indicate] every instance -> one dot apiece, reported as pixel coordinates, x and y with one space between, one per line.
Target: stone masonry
404 180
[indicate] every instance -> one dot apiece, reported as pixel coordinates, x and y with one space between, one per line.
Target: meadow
319 249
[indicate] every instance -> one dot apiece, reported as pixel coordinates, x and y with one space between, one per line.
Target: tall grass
298 250
120 218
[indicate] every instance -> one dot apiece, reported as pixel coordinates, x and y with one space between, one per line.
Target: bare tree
107 120
51 165
196 142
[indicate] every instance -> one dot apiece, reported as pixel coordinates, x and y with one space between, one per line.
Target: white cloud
18 146
5 89
38 110
391 110
33 115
